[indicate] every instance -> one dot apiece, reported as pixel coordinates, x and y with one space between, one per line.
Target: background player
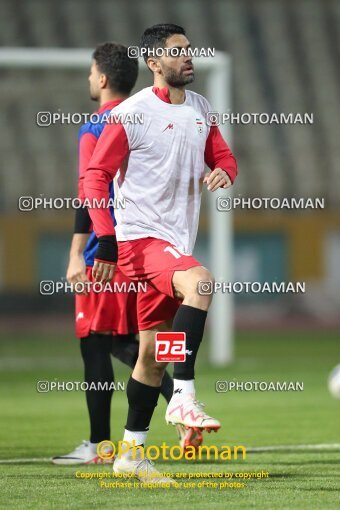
106 322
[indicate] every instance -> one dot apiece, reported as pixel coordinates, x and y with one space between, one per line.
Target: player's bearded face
178 73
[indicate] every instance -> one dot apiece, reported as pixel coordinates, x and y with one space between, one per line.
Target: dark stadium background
285 59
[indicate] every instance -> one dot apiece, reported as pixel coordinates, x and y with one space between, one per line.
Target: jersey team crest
199 124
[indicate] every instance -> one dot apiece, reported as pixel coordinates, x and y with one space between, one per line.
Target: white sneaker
143 469
86 453
186 410
189 437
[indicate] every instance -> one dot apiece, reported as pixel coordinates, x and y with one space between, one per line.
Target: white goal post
218 92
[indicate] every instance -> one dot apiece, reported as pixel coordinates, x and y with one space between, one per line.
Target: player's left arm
220 160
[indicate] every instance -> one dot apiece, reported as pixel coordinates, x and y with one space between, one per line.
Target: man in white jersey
161 176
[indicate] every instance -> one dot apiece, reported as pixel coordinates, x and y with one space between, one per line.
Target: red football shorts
153 261
107 311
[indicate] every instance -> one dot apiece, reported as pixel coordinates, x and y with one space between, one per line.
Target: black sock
142 402
167 387
125 348
192 321
96 353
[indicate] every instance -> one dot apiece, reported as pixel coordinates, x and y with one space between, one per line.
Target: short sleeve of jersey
131 116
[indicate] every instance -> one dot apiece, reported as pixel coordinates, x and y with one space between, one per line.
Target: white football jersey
161 183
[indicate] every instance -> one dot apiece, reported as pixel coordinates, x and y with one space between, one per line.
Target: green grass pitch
39 425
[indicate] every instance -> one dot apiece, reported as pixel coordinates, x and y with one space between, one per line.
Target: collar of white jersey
163 96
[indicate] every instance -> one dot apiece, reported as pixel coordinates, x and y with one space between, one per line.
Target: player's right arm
76 270
111 150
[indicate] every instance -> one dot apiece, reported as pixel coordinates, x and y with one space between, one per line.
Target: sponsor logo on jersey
169 126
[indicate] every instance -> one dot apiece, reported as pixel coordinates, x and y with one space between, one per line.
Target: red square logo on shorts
170 347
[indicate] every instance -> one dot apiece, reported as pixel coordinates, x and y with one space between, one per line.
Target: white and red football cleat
186 410
140 467
189 437
86 453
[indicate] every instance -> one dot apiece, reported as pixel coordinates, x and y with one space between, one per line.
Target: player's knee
205 276
200 290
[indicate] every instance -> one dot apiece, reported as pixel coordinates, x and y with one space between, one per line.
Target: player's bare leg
147 370
184 408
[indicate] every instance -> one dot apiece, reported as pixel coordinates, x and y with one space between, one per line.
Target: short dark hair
112 59
156 36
